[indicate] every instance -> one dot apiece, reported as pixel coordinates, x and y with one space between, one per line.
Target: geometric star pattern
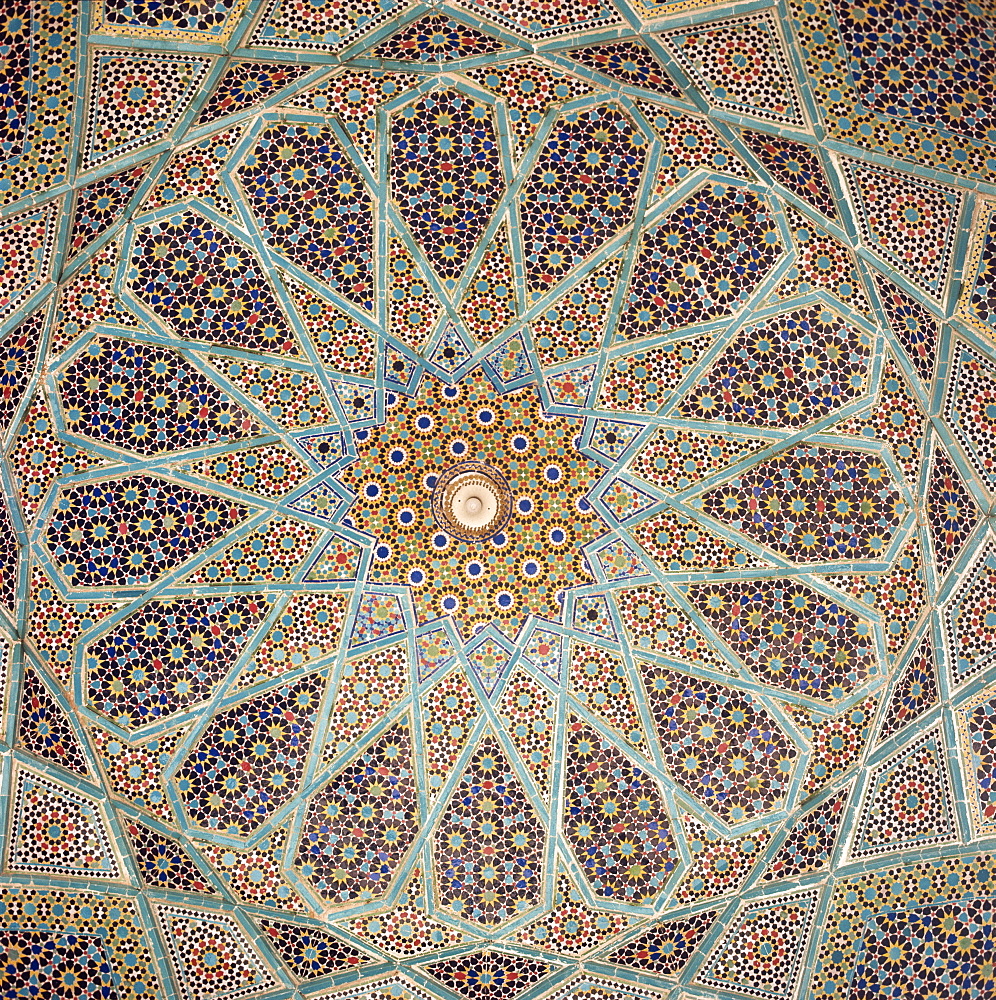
701 296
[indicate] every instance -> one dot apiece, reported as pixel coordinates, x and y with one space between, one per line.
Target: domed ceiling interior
695 301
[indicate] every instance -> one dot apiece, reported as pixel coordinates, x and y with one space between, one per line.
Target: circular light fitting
471 501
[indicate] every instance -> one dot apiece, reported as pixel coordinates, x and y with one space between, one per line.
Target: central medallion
477 500
471 501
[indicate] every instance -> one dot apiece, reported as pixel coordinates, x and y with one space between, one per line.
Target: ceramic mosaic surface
703 294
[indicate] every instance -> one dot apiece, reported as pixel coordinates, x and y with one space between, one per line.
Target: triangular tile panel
592 615
9 557
630 62
977 302
510 361
38 456
412 309
528 709
303 631
405 930
58 831
572 387
290 397
530 90
449 711
162 863
690 143
740 65
950 509
968 616
245 85
823 264
369 687
28 241
437 38
970 409
44 728
490 304
975 727
539 20
599 681
625 500
19 353
135 771
325 26
353 97
907 801
913 325
720 865
654 622
796 165
267 471
342 344
97 206
181 21
915 690
311 953
667 947
677 542
810 843
256 875
136 99
896 419
489 974
838 742
674 458
573 927
908 222
196 171
573 325
740 962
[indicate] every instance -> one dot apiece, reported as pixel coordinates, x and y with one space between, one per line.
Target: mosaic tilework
702 293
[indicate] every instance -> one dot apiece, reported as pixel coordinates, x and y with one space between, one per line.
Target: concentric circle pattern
498 500
471 502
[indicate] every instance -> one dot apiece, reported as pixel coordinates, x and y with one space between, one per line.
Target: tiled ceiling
498 500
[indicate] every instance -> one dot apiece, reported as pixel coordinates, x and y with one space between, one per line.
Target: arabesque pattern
703 292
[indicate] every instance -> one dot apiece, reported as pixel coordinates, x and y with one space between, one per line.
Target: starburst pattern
700 313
